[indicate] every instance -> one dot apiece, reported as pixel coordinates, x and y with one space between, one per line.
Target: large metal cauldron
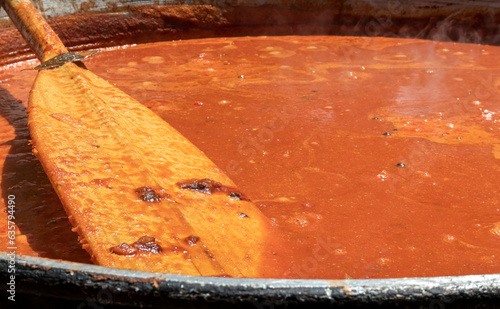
50 283
56 284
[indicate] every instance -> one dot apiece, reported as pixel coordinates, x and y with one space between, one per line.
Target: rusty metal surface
394 8
53 8
118 22
80 22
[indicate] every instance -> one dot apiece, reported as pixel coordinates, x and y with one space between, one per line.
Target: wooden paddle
138 193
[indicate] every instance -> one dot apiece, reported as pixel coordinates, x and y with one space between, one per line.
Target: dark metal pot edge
60 279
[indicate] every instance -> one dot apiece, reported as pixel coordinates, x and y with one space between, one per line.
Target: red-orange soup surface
377 157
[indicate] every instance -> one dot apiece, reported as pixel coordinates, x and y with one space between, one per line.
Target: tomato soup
376 157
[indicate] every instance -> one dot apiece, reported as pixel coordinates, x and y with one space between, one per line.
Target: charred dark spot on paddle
147 194
150 195
209 254
235 195
191 240
206 185
147 244
143 244
209 186
124 249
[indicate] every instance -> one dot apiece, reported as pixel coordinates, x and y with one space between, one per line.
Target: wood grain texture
99 146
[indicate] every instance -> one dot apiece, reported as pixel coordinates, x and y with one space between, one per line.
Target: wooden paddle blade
139 194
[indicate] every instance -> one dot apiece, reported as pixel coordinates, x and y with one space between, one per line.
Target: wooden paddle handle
34 28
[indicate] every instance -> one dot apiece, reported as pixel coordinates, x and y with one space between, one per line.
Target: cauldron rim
129 287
